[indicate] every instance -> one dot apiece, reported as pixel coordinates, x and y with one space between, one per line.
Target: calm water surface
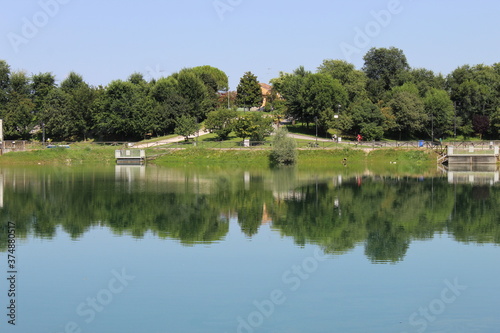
134 249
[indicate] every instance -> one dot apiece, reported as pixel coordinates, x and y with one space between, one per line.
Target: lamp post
316 121
432 127
228 93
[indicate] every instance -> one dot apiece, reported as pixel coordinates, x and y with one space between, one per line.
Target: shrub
284 149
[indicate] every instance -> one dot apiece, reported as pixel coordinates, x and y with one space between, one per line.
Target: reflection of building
484 174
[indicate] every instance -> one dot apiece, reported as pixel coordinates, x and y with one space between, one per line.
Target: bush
284 149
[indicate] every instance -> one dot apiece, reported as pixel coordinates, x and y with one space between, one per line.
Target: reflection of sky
206 287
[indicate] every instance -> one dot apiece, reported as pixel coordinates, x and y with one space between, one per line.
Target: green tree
291 88
59 125
249 93
4 82
440 112
321 92
385 68
186 126
408 110
367 120
18 113
426 80
213 77
41 85
221 122
195 93
354 81
169 105
475 91
81 98
121 112
284 150
253 126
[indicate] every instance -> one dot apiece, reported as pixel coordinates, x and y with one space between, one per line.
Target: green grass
206 157
86 153
77 154
385 161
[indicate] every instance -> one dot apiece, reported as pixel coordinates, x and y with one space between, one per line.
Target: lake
151 249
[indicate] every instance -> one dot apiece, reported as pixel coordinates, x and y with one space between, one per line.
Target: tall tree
385 68
81 97
367 120
249 93
195 93
59 125
18 113
408 110
475 91
4 82
121 112
440 112
41 85
354 81
321 92
426 80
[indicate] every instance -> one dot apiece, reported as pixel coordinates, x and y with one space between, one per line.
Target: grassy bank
308 159
77 154
333 158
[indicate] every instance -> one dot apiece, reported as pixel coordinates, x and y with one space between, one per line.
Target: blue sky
110 39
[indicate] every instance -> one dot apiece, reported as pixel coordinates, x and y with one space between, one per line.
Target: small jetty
130 156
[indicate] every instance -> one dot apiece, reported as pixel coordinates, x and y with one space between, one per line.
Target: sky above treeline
108 40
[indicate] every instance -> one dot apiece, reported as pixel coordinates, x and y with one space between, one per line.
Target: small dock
130 156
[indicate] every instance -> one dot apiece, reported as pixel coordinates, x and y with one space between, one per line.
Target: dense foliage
387 98
36 107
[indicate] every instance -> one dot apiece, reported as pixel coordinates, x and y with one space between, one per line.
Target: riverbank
76 154
310 158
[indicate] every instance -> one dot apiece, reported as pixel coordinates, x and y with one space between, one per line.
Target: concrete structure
130 156
472 156
9 146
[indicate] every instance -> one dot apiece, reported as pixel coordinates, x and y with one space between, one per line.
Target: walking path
165 141
204 132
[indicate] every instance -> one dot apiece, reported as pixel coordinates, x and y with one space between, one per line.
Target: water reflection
479 174
334 211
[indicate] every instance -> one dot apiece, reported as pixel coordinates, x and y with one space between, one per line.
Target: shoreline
88 155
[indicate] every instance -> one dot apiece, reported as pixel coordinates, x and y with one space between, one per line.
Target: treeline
385 99
36 107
